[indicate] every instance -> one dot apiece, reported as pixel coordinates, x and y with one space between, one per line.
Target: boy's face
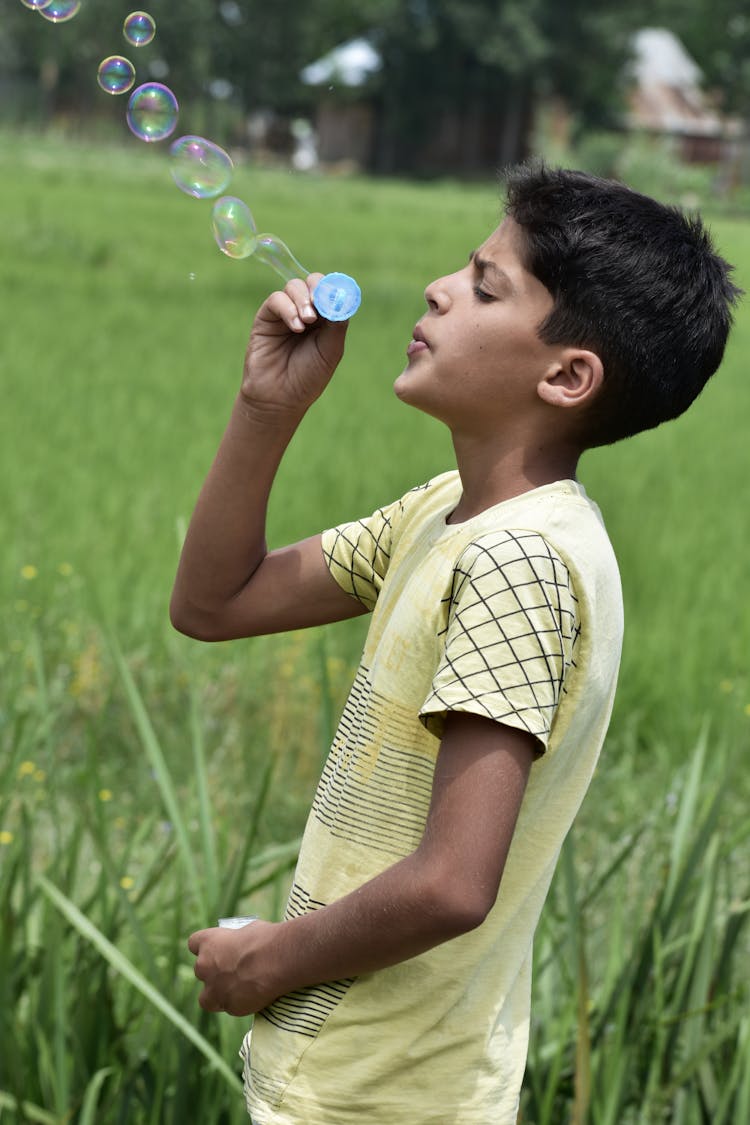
475 359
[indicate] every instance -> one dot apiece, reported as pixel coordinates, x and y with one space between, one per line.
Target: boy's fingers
283 307
194 942
301 293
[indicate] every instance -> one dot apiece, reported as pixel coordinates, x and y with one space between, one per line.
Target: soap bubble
58 11
199 167
139 28
116 74
274 253
152 112
234 227
36 4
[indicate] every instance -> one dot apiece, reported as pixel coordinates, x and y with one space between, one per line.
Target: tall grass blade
30 1111
125 968
583 1044
687 815
162 775
327 715
205 818
91 1097
238 869
576 931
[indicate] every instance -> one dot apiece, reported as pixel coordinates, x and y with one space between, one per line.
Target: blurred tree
457 76
246 50
474 69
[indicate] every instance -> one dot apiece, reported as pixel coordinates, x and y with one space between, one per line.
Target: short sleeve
358 553
510 637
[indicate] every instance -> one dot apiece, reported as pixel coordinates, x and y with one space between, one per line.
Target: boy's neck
492 471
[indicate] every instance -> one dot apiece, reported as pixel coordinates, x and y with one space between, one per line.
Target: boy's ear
573 379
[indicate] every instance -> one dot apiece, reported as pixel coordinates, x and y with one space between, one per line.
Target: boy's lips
418 342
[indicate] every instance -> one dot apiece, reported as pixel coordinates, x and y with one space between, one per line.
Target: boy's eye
481 295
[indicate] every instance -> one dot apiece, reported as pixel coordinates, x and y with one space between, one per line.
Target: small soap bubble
234 227
58 11
139 28
35 4
116 74
152 112
199 167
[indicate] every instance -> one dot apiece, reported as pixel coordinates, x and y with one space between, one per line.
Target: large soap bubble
58 11
199 167
234 227
152 112
116 74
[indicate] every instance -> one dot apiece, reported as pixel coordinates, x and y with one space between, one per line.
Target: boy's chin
407 390
404 387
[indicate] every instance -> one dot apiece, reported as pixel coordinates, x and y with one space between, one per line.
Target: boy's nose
437 295
440 293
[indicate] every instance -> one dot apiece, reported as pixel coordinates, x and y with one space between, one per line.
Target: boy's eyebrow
487 266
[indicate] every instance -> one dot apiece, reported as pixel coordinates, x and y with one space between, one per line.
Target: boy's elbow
192 623
468 912
461 903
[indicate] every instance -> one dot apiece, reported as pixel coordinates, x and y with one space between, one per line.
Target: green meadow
150 783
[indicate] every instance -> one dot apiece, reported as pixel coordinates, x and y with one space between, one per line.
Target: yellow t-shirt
515 614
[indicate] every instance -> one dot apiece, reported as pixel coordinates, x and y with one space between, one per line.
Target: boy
397 987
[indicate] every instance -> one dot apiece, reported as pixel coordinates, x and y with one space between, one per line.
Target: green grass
156 783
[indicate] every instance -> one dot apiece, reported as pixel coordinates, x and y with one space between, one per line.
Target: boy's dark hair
633 280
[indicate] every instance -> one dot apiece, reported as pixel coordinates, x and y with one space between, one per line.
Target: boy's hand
231 965
292 352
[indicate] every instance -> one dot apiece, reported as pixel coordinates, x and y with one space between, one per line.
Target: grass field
154 782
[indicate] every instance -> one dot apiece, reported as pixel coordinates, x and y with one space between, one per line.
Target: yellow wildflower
65 569
105 794
40 775
6 837
26 768
747 710
120 822
29 572
88 682
127 882
726 686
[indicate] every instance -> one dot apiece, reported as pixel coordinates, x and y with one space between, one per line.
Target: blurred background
419 88
150 784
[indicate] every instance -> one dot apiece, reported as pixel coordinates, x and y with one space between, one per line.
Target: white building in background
667 98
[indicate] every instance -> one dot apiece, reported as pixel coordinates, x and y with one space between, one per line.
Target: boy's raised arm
227 584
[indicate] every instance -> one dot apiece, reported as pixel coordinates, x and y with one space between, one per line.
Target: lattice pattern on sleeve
511 634
358 554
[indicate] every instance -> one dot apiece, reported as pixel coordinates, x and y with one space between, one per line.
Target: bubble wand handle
274 253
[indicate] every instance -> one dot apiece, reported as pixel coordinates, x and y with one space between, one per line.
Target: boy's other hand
292 352
231 964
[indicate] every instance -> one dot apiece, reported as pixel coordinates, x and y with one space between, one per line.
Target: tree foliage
460 73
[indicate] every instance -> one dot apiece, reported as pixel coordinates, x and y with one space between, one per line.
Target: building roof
666 95
349 64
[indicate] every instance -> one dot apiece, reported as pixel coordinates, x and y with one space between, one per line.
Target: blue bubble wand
336 296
